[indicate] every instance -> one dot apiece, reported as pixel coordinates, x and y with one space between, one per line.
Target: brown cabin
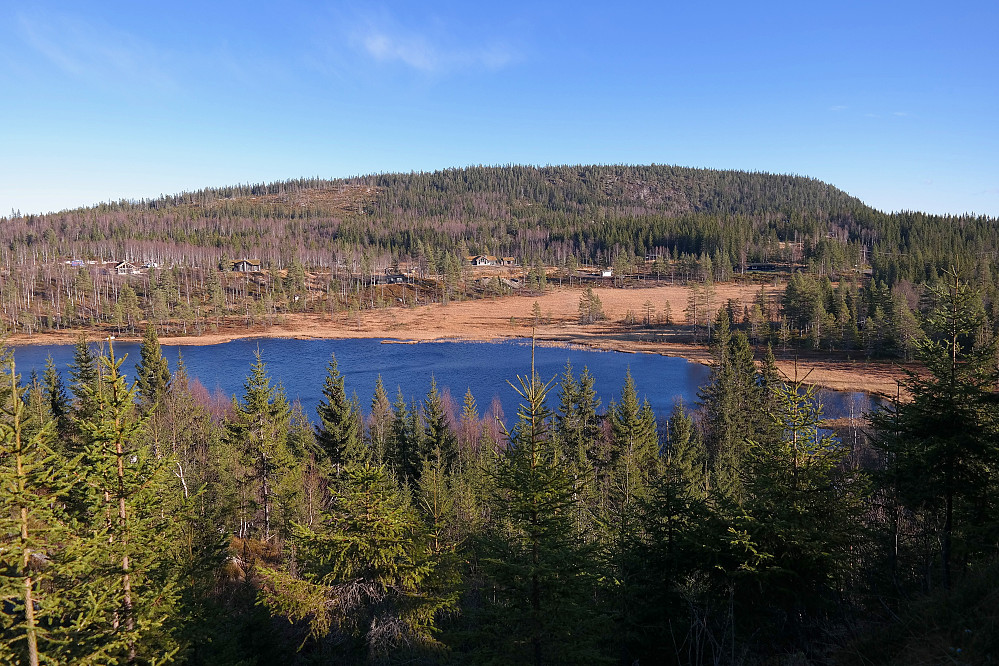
245 266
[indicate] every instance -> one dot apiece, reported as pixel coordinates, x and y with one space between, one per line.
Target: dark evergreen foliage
339 431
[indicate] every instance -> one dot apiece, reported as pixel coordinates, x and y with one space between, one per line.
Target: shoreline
508 317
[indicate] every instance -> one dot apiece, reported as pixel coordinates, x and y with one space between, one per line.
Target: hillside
324 246
593 214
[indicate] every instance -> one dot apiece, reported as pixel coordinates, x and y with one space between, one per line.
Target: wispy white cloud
96 53
838 107
434 50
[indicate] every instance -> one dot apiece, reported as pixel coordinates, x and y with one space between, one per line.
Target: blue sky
894 102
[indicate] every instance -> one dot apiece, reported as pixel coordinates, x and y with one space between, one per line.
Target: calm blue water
485 368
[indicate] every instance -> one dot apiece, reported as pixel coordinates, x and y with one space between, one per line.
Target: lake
485 368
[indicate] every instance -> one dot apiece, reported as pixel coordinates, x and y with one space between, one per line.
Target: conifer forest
146 521
329 247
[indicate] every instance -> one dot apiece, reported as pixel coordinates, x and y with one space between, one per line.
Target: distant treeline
153 522
321 244
591 213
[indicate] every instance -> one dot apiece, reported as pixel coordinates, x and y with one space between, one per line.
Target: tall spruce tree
84 375
257 438
685 455
402 455
942 448
538 565
578 428
152 372
803 514
34 531
438 444
379 422
339 432
58 400
132 578
634 444
731 401
152 382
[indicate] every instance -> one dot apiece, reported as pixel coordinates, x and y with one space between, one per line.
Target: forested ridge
856 277
593 213
147 521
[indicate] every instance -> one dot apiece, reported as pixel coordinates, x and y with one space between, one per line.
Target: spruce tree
58 400
731 399
685 456
634 444
152 372
152 382
257 438
539 568
34 531
403 439
367 584
578 428
379 423
667 572
469 429
803 513
132 577
438 443
84 375
942 448
339 432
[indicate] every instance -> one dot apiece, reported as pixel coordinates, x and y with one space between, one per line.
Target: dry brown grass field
511 316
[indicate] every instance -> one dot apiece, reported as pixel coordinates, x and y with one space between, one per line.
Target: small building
245 266
388 278
508 261
484 260
393 275
125 268
607 272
